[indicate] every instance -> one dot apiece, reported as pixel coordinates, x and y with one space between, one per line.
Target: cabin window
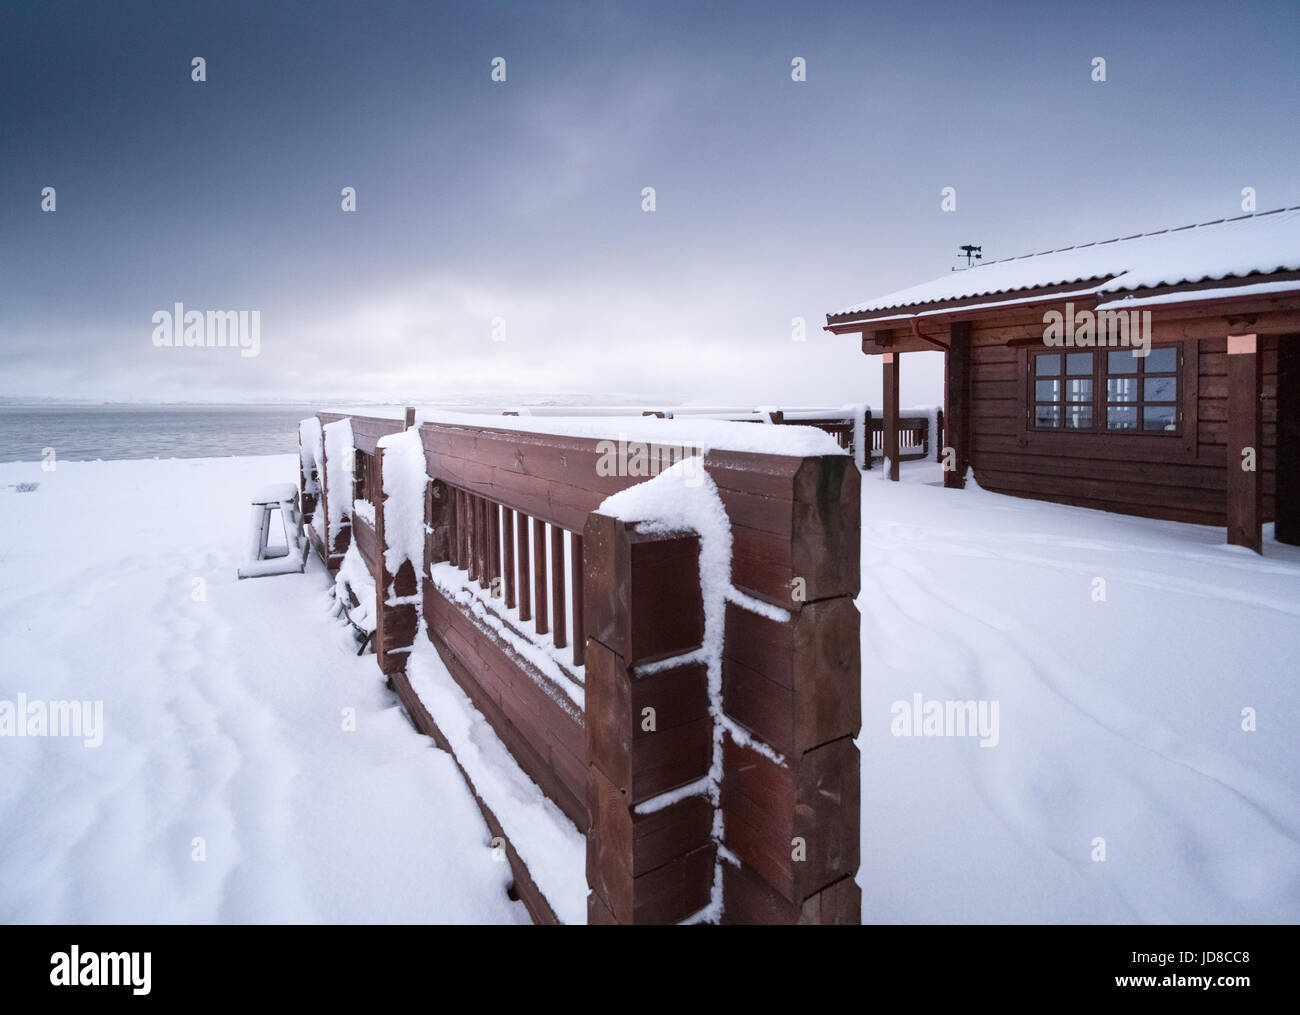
1063 391
1107 391
1142 392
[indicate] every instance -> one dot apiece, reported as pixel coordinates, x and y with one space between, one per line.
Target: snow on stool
277 493
268 560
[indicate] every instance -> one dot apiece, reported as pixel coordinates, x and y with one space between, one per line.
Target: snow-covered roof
1227 248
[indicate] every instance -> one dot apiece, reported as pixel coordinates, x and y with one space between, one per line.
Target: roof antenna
972 253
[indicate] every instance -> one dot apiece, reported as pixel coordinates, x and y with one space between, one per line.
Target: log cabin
1203 426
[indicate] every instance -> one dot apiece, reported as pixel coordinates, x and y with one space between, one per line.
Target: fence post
648 728
868 439
396 622
307 501
793 825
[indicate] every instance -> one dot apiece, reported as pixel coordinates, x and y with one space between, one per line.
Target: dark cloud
522 200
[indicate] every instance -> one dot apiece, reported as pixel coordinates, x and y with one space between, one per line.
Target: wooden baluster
508 548
453 540
575 570
494 546
559 627
539 574
483 541
525 575
471 539
467 532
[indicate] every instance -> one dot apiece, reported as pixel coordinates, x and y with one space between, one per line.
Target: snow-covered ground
223 720
1119 718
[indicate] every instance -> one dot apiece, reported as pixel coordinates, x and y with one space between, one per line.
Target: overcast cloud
522 200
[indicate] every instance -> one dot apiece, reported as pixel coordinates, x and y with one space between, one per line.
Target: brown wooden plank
1244 518
889 364
559 621
1286 508
471 536
575 579
519 702
539 576
494 545
508 548
957 386
483 541
454 523
525 572
813 798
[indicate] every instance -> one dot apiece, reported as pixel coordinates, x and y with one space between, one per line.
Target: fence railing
914 437
562 626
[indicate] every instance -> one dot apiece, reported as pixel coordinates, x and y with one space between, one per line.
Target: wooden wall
1181 479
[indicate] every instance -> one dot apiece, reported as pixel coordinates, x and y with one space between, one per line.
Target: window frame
1141 402
1136 444
1062 402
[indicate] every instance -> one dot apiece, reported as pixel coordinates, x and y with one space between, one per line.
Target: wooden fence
913 438
514 515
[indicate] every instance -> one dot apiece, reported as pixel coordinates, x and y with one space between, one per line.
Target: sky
499 246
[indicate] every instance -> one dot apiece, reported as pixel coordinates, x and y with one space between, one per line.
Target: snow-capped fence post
650 857
336 484
790 798
306 483
396 595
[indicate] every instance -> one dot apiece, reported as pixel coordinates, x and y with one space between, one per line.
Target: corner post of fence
396 607
790 802
650 858
306 501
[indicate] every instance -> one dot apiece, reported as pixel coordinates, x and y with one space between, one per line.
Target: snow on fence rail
711 781
851 426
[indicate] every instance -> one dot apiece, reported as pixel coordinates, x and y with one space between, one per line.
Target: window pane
1078 363
1162 361
1122 389
1047 416
1048 365
1158 417
1121 362
1078 389
1121 417
1047 391
1160 389
1078 417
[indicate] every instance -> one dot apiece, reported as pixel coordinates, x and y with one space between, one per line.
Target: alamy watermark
946 718
38 718
75 968
1088 329
192 329
641 459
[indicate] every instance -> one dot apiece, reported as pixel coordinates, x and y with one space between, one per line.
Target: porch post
1286 511
956 402
889 363
1245 441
